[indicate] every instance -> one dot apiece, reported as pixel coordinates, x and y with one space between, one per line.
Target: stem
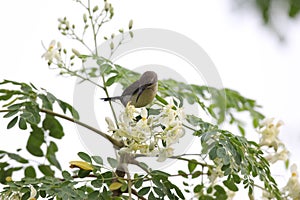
186 159
137 195
186 126
95 32
129 183
83 78
93 28
110 104
117 144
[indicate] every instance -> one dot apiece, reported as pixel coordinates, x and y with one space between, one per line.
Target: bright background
248 56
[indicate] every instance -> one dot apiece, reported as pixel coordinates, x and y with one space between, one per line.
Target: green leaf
93 195
26 196
192 164
144 191
196 174
183 174
160 173
22 123
17 158
72 110
65 106
151 196
35 141
31 113
236 178
46 170
50 155
10 113
3 165
112 162
105 69
138 183
111 80
213 153
85 157
255 122
13 122
46 103
6 97
178 191
67 176
54 127
198 188
97 183
221 152
16 106
161 100
30 172
98 160
230 185
26 88
220 193
83 173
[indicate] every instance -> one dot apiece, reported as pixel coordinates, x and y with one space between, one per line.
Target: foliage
270 11
225 162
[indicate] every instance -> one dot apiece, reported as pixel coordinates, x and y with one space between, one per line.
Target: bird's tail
111 98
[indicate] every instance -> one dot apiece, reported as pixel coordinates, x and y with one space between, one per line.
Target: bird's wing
141 89
131 89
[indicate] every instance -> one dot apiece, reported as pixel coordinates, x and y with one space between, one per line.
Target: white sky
248 57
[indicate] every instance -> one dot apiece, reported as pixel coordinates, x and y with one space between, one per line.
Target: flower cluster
151 135
269 138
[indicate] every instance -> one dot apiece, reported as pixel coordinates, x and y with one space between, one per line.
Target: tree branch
117 144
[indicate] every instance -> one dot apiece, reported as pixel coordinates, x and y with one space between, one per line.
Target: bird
140 93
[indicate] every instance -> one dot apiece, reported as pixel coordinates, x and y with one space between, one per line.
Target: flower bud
130 24
107 6
111 11
67 25
76 52
131 34
95 8
58 45
112 46
121 30
84 18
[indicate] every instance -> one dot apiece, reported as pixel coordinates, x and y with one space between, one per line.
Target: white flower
230 194
216 172
165 153
53 53
282 155
267 195
32 193
110 123
293 186
269 132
